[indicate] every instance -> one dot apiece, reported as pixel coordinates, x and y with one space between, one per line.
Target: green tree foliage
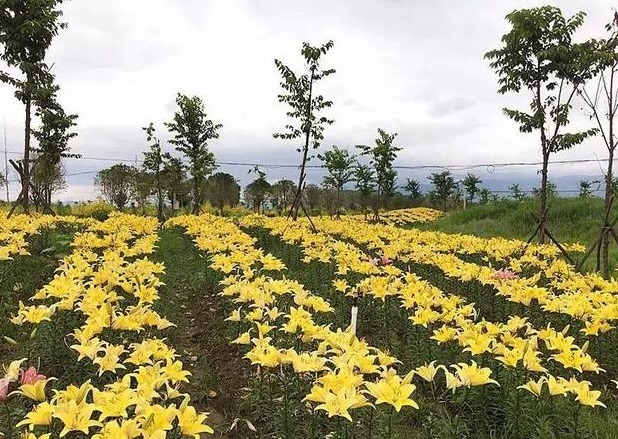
364 176
255 193
222 189
313 195
174 180
27 28
52 145
382 156
305 106
471 184
516 192
281 195
142 188
117 184
484 195
585 189
192 131
413 188
153 165
47 178
444 187
340 166
538 55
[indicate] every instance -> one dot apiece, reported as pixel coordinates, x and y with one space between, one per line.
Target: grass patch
569 220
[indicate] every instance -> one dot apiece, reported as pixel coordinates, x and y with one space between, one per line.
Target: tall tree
340 166
305 106
222 189
192 131
444 187
601 100
382 155
471 184
153 164
117 184
27 28
538 55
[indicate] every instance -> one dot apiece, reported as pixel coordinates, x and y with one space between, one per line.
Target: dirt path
202 336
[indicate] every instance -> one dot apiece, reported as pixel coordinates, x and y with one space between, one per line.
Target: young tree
313 194
222 189
585 189
117 184
413 188
142 188
602 103
382 156
53 137
365 184
154 164
471 185
27 28
282 195
329 196
538 55
305 106
255 193
174 180
444 187
516 192
47 178
340 166
192 131
484 195
551 190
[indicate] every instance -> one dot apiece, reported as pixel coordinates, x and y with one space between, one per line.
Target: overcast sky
410 66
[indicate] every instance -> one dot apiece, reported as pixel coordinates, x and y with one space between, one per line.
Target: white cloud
409 66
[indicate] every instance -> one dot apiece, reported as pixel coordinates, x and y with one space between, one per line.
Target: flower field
351 330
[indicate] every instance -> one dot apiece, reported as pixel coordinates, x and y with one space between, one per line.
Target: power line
70 174
490 166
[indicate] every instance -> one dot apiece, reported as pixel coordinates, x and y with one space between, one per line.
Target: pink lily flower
4 388
30 376
505 274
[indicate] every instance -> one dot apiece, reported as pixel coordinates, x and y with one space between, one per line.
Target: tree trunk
338 216
609 195
543 199
301 178
159 198
196 198
608 199
545 149
25 182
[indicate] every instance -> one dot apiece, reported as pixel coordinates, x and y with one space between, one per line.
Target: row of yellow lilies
110 281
